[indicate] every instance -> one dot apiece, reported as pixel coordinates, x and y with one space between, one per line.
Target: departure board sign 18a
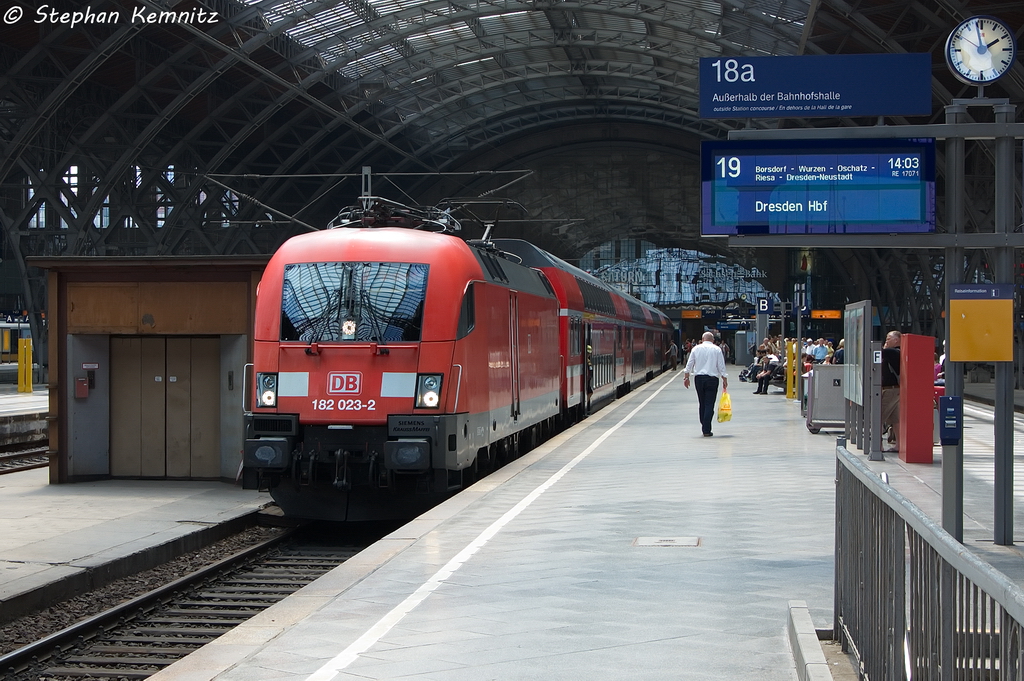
817 187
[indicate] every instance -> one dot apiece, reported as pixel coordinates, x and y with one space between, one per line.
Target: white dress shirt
706 359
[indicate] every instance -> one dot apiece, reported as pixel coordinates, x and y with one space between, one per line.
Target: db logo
339 383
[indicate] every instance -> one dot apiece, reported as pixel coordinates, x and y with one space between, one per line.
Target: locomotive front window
353 301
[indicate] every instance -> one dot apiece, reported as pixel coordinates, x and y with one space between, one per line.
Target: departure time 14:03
904 162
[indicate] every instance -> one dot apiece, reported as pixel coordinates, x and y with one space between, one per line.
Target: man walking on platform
891 389
706 364
673 355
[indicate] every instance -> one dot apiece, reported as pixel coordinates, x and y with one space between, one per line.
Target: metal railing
911 602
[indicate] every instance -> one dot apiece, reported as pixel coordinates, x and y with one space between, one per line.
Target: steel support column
1004 199
953 467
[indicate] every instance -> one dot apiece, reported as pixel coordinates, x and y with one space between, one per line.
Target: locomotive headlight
428 391
266 385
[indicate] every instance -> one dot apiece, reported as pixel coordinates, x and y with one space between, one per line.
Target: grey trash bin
826 405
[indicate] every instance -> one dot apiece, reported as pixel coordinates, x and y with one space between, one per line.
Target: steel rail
18 660
23 453
30 456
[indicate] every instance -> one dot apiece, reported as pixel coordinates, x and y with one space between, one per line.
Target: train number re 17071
344 405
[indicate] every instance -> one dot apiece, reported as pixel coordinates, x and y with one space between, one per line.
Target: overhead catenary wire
290 218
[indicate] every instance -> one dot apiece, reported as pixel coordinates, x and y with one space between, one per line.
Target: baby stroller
749 373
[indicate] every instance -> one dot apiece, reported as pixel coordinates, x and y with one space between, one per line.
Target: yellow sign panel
980 330
692 314
826 314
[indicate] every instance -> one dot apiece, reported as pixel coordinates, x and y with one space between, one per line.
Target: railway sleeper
285 563
123 650
181 631
245 607
100 673
233 612
213 622
241 595
251 590
197 640
272 579
136 661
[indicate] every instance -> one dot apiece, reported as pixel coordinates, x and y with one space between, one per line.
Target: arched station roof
224 126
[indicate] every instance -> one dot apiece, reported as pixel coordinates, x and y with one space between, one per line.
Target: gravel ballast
30 628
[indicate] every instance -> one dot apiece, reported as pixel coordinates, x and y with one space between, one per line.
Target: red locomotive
394 366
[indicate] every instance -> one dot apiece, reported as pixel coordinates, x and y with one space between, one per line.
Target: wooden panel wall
194 307
205 417
179 407
153 413
126 407
169 307
105 307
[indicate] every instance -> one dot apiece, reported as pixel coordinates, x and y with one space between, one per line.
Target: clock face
980 50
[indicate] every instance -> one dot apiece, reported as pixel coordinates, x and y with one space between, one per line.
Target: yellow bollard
24 365
792 369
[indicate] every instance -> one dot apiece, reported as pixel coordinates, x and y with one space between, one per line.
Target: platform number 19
729 165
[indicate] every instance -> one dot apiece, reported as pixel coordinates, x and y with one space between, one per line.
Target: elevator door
165 407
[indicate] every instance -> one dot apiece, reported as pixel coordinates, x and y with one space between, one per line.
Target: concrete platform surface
14 403
985 393
626 547
59 538
922 484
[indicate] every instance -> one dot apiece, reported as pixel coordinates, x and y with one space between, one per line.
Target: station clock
980 50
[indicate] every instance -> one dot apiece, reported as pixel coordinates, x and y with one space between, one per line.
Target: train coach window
347 301
575 336
467 315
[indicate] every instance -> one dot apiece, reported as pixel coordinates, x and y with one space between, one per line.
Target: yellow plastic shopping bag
724 408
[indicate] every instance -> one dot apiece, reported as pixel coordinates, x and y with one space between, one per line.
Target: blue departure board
817 187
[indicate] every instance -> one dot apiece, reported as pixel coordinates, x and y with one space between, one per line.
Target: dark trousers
707 392
763 383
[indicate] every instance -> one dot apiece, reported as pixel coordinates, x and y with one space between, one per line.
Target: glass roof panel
385 7
442 35
497 24
422 60
371 63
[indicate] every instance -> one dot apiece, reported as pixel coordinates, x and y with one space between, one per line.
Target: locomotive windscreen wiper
348 316
320 327
370 311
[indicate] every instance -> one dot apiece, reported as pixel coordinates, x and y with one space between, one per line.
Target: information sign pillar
764 308
951 426
873 404
798 309
856 371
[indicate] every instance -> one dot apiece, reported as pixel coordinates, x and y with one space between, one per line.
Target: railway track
140 637
26 457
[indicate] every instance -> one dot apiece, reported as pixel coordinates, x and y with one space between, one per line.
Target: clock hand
993 42
982 49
